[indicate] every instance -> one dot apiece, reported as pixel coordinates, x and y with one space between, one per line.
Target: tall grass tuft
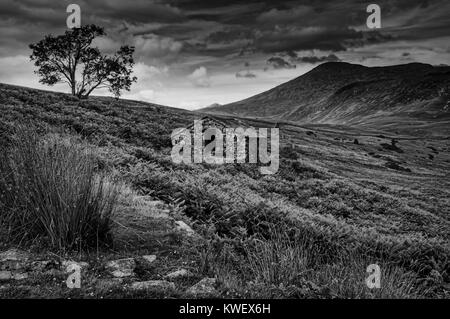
50 192
284 261
276 261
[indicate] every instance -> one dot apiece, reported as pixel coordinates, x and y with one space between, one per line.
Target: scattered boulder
20 276
178 274
183 227
149 258
122 267
204 288
13 259
5 275
153 285
14 254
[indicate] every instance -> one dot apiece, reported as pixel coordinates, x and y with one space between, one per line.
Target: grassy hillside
342 199
401 97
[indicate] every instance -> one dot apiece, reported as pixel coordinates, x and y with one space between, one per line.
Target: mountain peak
345 93
337 66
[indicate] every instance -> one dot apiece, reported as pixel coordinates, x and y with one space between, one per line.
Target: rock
8 275
14 254
67 263
204 288
20 276
183 227
153 285
178 274
121 267
13 259
13 265
149 258
5 275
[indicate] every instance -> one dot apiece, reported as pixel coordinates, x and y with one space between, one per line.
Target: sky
194 53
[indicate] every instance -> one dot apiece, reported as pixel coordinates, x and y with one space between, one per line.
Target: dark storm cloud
202 44
286 17
136 10
229 35
321 38
27 21
224 27
279 26
29 13
230 14
289 59
370 37
317 59
273 26
280 63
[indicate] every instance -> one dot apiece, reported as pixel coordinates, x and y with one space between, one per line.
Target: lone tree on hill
70 58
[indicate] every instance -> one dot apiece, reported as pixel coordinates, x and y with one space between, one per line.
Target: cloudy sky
193 53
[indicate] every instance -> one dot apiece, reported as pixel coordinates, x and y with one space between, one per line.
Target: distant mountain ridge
344 93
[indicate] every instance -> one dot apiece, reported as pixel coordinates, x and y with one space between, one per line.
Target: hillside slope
343 93
338 203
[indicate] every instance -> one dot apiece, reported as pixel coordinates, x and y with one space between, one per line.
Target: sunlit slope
395 97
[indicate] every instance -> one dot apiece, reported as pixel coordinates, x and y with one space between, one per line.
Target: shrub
50 191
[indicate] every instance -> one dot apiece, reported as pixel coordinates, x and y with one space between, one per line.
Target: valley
410 98
343 198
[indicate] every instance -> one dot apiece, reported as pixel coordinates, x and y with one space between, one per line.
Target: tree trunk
73 83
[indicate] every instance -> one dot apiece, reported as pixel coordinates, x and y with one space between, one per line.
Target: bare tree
70 58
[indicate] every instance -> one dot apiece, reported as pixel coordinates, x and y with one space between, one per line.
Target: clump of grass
50 192
276 261
289 265
347 279
286 262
